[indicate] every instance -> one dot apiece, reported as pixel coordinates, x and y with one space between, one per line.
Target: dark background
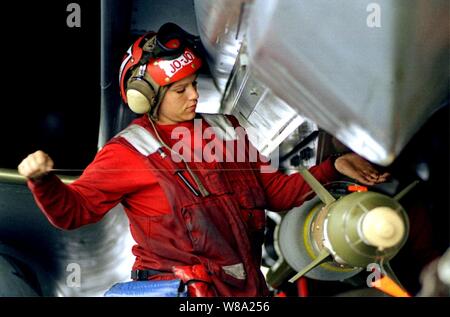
51 82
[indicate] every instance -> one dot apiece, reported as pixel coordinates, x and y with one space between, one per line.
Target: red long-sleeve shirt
120 175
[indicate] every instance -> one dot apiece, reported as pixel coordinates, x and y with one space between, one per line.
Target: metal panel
101 251
267 119
371 87
221 25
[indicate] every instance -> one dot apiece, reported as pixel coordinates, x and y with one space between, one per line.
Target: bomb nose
382 227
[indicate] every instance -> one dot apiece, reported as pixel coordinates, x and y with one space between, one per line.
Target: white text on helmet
173 66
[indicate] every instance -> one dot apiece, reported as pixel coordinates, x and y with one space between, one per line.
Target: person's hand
35 165
354 166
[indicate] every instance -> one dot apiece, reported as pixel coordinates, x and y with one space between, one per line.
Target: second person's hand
361 170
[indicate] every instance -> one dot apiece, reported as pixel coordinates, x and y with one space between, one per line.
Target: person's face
179 102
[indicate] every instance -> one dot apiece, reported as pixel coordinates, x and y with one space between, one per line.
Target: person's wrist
40 179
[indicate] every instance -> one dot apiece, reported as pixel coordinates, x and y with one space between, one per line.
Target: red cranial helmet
154 61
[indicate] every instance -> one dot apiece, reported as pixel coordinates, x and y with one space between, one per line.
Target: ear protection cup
140 95
155 61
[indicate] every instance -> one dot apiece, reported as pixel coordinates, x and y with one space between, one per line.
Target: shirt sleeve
102 185
284 192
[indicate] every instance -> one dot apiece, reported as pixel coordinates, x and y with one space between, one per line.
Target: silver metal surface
371 87
267 119
221 25
102 251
